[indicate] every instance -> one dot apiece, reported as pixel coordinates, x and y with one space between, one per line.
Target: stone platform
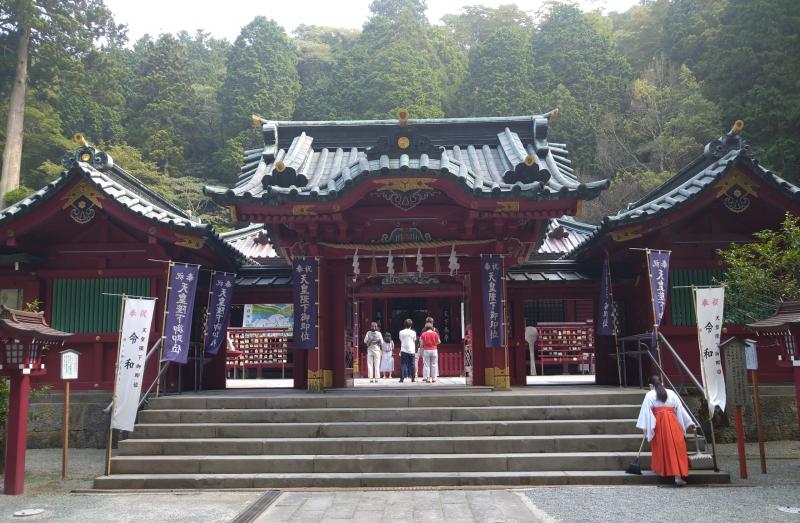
385 438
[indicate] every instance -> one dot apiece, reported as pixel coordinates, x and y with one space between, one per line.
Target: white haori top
647 420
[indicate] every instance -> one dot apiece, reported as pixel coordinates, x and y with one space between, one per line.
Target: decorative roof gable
488 157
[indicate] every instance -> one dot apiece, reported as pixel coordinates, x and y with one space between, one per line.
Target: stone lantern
24 337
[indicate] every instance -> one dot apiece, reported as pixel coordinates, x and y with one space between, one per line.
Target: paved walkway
452 506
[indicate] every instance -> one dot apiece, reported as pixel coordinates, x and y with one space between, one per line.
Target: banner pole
705 384
163 327
64 456
114 393
759 424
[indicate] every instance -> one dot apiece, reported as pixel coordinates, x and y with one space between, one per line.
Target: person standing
429 339
663 421
419 354
408 340
387 356
373 341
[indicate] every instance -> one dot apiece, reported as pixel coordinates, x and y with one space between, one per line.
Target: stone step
394 400
372 463
184 431
429 414
404 445
372 480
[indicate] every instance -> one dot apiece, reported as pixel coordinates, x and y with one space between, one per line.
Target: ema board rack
566 344
260 348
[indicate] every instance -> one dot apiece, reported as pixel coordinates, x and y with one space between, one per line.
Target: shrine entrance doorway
389 300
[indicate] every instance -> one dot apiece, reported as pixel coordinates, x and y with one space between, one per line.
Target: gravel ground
44 489
755 499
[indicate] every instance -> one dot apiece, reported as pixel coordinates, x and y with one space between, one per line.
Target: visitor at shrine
663 421
429 339
418 355
373 341
408 339
387 356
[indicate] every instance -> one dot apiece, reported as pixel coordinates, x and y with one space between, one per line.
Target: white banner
136 320
709 304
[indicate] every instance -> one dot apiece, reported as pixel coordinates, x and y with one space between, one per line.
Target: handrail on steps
682 364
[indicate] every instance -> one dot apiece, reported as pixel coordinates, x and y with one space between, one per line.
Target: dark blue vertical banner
219 309
180 306
304 283
658 267
493 300
605 323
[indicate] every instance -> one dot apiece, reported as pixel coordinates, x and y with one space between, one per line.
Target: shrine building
398 214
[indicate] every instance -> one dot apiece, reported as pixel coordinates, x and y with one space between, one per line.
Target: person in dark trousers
408 338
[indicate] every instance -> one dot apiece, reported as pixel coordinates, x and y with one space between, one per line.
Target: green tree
498 82
160 105
58 31
475 23
762 273
667 125
572 49
261 76
318 50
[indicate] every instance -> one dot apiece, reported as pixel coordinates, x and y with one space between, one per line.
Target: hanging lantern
390 264
453 264
420 265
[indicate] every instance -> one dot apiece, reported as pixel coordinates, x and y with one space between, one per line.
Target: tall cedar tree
261 76
62 30
160 104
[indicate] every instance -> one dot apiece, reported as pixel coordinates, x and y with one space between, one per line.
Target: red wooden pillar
16 434
336 290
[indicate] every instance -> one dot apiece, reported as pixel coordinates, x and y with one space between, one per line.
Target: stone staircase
375 438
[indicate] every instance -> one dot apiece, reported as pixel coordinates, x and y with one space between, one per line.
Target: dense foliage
639 92
761 274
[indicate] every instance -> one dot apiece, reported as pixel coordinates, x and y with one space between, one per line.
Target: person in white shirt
373 341
408 338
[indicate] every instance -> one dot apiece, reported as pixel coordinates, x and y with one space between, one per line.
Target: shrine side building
398 212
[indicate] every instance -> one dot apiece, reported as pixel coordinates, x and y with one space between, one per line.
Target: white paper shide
136 320
709 305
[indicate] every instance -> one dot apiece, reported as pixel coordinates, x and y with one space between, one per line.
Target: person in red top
429 339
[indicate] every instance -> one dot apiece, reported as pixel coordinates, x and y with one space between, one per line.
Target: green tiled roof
689 183
489 157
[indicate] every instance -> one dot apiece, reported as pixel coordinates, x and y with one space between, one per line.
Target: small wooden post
66 432
759 424
740 443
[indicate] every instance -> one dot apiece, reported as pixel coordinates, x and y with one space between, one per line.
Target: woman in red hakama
664 421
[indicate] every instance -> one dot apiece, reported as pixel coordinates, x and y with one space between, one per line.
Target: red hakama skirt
669 446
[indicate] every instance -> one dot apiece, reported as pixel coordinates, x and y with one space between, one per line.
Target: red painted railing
451 362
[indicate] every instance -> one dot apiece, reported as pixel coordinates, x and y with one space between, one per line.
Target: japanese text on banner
136 320
219 309
493 300
709 305
180 306
658 263
304 283
605 324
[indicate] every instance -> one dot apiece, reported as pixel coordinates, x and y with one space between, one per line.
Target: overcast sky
225 18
